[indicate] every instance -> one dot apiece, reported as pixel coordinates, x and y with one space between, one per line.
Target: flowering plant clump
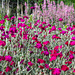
36 48
51 13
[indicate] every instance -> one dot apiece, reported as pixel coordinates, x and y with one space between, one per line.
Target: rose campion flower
32 7
69 28
21 61
60 19
53 28
53 36
64 68
47 66
60 54
22 20
8 69
59 29
6 16
71 56
30 63
66 43
50 68
12 63
34 38
28 68
73 32
46 42
38 45
53 52
46 53
40 26
31 52
26 17
2 58
45 48
63 32
49 25
69 62
43 22
8 58
40 61
73 38
2 21
12 17
8 19
72 43
42 67
72 52
52 58
56 71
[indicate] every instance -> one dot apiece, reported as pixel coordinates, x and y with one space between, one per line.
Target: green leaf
65 26
50 27
30 18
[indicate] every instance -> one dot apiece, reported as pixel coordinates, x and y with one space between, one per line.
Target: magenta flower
8 58
26 17
64 68
2 21
2 58
40 26
53 36
25 36
30 63
19 18
73 32
0 72
38 21
40 61
52 58
3 43
69 28
47 66
46 42
53 28
69 62
60 54
38 45
45 48
60 19
28 68
56 71
63 32
32 7
72 43
12 17
34 38
42 67
59 29
21 61
31 52
8 19
43 22
73 38
46 53
8 69
56 47
22 20
6 16
12 63
49 25
71 56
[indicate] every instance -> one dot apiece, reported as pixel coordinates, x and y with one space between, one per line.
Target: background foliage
30 4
